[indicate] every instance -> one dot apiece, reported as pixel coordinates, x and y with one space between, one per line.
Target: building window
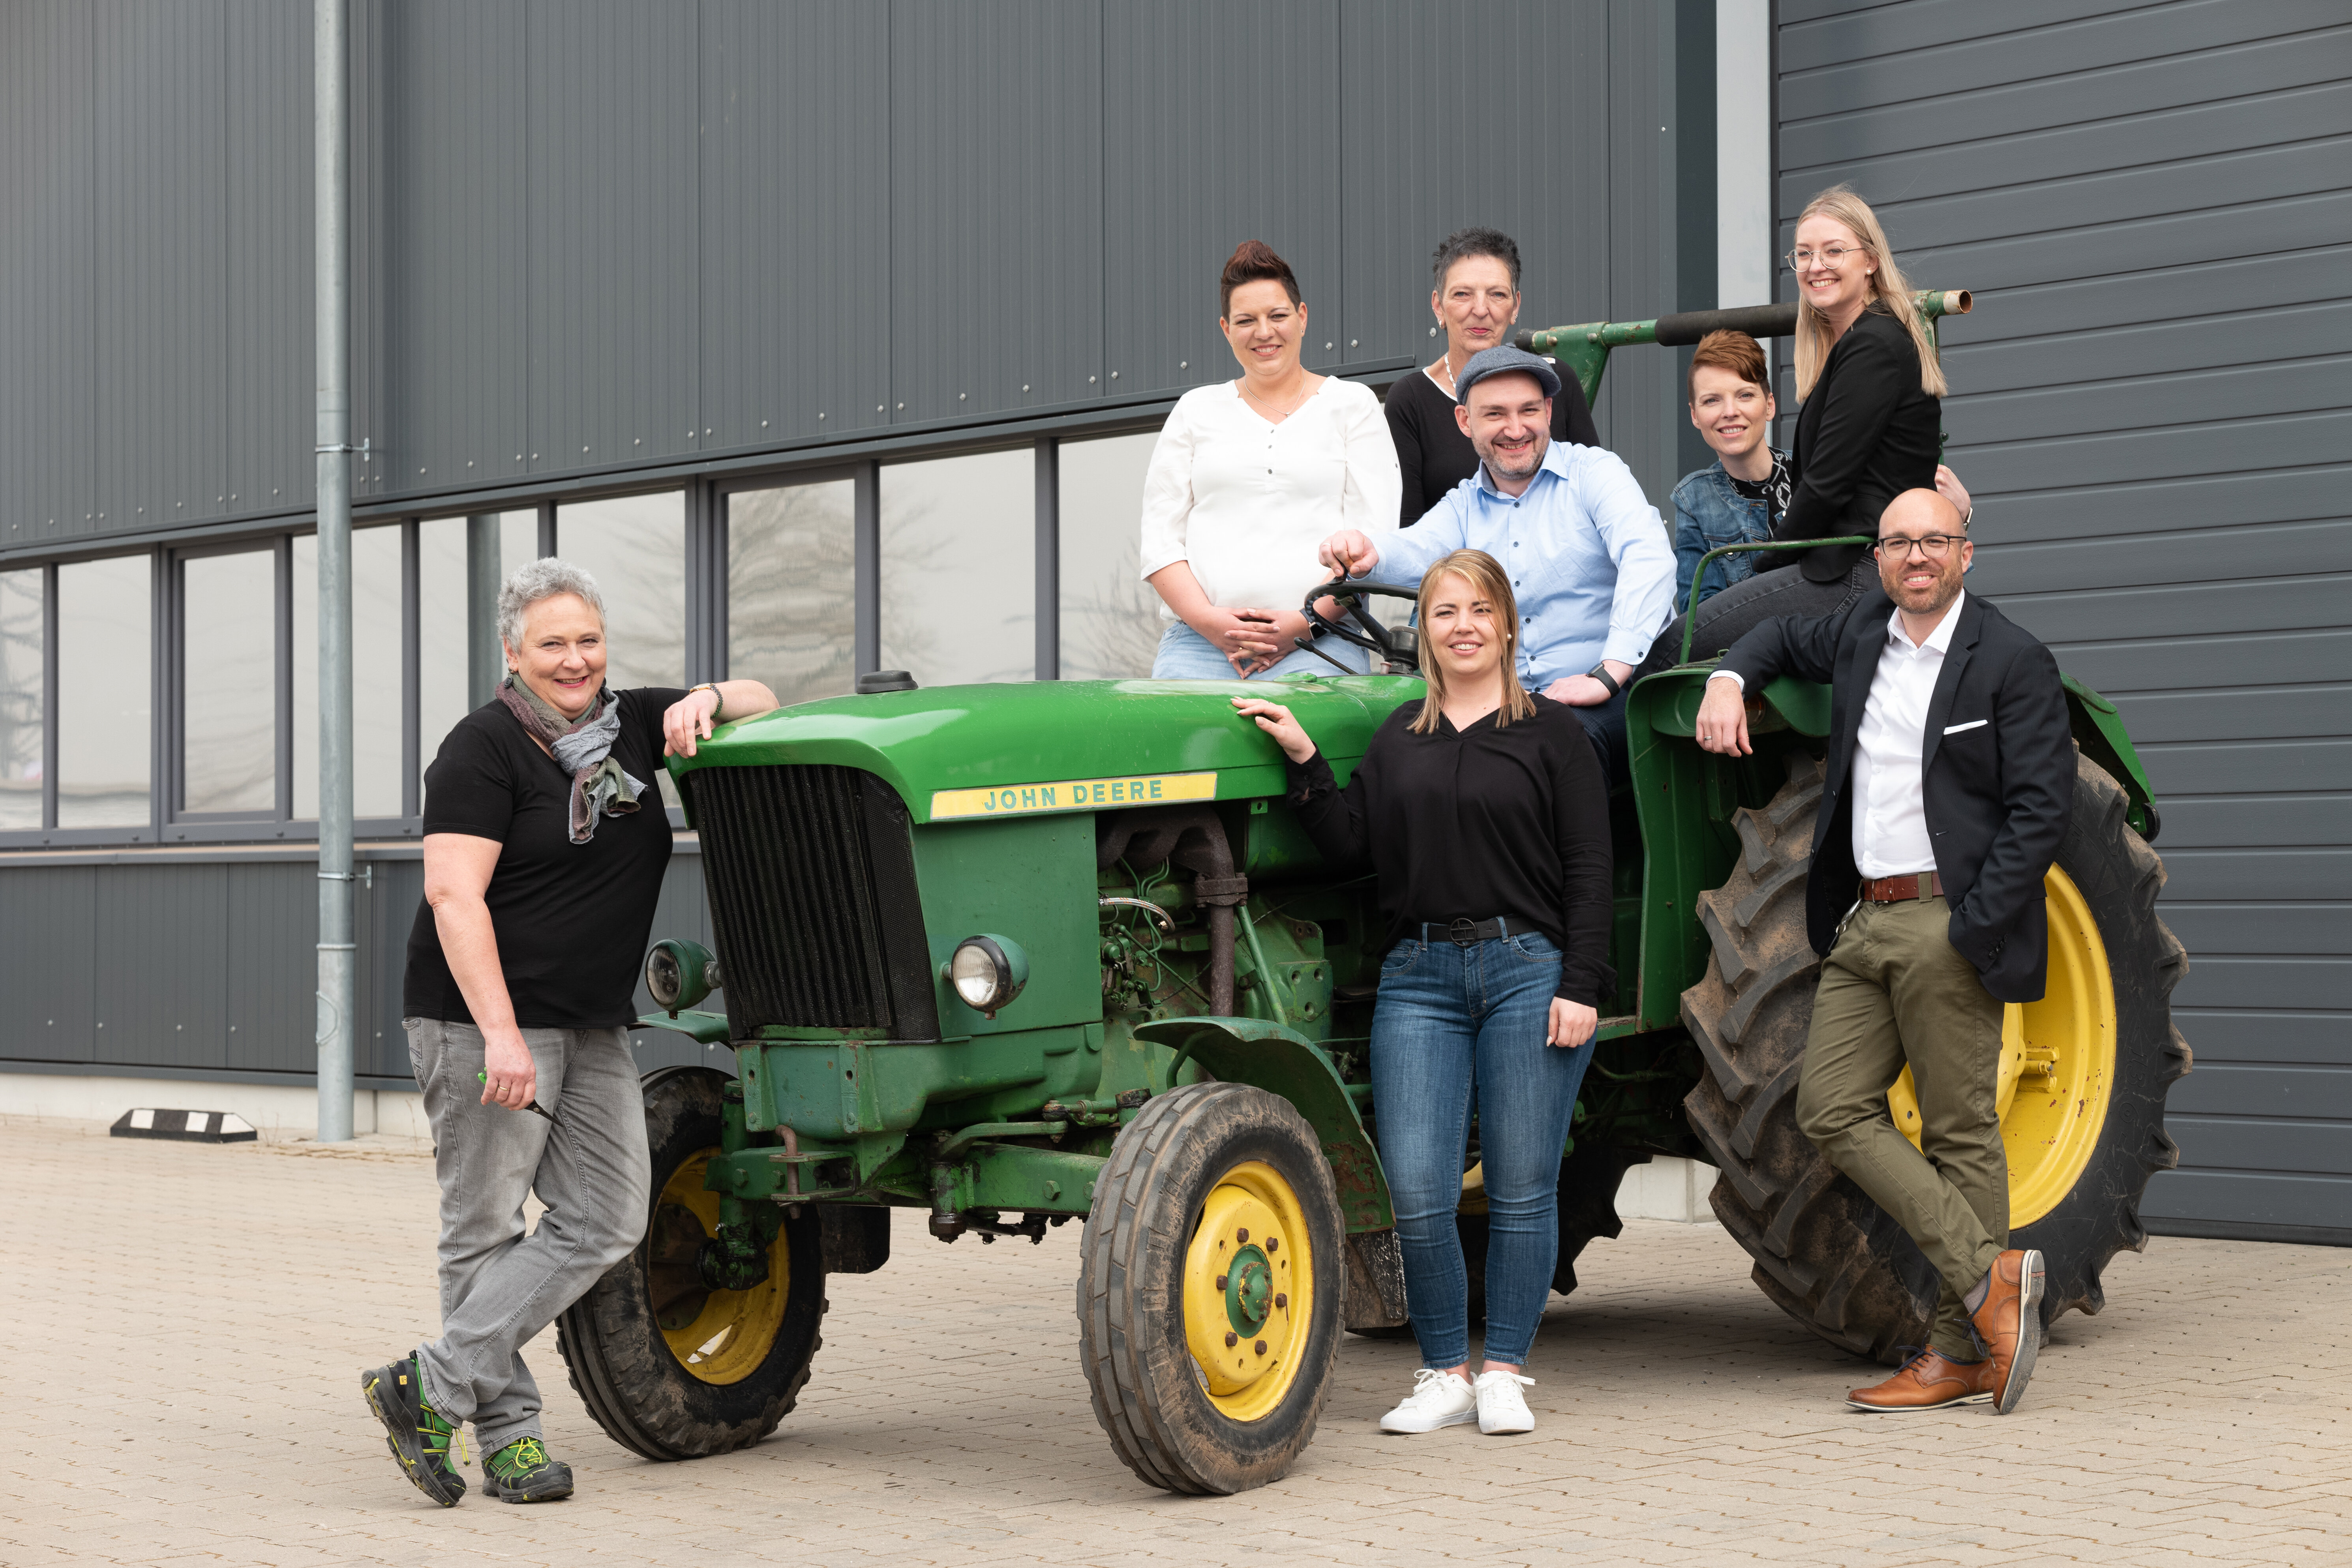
229 685
791 588
460 564
105 680
22 668
1110 616
376 685
958 568
634 546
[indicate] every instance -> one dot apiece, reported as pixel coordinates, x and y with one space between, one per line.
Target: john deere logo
1073 794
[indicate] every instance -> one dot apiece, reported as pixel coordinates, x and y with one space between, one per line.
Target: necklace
1445 363
1280 414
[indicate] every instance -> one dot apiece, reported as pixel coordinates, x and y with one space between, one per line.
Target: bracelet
712 688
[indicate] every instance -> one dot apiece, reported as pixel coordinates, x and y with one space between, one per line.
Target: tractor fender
1283 1061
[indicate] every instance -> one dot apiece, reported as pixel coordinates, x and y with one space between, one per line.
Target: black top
572 919
1865 436
1510 822
1773 489
1435 456
1996 773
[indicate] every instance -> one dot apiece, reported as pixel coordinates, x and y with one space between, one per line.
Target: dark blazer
1997 795
1865 436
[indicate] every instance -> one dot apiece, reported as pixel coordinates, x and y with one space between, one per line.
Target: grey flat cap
1503 359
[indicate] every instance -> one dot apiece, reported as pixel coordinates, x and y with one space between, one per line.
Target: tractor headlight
679 972
988 973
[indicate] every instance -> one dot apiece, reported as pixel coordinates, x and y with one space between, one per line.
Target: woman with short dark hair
544 847
1248 477
1483 812
1474 294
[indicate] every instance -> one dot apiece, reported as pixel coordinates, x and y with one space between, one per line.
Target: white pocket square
1971 724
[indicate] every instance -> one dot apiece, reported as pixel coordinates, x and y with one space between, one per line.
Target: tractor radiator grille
810 873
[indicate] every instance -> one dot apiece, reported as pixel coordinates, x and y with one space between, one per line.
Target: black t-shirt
1510 822
1433 454
572 919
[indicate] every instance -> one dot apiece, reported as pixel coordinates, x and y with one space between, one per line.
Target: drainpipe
337 988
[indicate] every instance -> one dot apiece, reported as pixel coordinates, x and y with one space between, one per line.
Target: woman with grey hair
540 874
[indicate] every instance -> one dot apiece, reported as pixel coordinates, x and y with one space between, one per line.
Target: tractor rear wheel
669 1368
1210 1297
2085 1072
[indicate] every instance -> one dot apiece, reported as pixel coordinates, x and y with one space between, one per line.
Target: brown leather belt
1902 890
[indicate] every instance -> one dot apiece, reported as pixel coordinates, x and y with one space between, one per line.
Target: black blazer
1865 436
1998 795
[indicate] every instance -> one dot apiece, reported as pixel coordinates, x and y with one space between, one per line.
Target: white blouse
1246 502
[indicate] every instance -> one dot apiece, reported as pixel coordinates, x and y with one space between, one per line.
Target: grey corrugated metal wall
593 237
2155 205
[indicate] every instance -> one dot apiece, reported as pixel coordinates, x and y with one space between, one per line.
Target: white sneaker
1501 1408
1438 1399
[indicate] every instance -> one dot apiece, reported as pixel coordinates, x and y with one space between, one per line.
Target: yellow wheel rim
718 1336
1249 1291
2057 1064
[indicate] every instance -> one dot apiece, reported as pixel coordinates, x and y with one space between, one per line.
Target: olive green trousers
1894 992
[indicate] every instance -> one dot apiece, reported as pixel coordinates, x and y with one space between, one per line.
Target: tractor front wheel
1210 1297
669 1367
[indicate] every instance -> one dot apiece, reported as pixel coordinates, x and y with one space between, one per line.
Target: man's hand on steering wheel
1348 553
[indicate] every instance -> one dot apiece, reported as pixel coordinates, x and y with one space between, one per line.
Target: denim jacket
1708 514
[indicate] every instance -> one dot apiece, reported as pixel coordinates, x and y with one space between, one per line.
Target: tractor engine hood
1016 749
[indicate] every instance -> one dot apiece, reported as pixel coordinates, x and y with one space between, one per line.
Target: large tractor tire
1210 1295
2085 1072
668 1368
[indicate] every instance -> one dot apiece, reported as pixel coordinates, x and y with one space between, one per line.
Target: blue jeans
1185 655
1451 1019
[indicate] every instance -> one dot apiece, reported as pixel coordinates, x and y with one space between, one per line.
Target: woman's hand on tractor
1572 1023
1275 720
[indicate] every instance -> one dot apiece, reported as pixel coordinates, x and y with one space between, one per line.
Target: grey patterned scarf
584 747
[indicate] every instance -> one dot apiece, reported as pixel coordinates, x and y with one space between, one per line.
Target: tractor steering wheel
1398 649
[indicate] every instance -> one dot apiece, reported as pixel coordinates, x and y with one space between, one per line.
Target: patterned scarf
584 746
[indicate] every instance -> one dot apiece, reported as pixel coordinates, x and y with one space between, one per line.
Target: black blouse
1510 822
1435 456
1865 434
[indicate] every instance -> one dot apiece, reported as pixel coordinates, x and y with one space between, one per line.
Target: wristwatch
712 688
1599 672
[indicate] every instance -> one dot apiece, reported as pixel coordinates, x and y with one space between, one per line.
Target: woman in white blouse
1248 477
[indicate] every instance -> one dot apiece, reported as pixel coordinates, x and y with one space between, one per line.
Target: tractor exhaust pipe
1192 837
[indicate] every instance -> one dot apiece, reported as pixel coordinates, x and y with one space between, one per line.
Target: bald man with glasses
1946 792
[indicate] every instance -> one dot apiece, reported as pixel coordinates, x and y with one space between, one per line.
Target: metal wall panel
2152 205
458 366
160 256
612 129
1205 145
48 383
796 134
267 175
1641 398
48 963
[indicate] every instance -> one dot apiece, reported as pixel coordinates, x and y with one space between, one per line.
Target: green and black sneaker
522 1472
419 1439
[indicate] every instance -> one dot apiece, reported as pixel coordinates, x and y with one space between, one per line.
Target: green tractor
1017 954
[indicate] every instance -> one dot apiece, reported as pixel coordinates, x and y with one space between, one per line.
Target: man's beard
1533 457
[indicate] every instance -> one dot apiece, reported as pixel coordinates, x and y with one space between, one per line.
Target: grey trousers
588 1166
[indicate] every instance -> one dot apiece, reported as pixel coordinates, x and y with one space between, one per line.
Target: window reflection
792 580
105 646
958 568
21 667
229 684
1110 616
375 674
459 663
634 546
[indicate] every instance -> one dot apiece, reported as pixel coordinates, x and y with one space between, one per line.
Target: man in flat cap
1591 563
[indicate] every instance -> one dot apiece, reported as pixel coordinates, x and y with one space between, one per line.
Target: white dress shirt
1247 502
1890 802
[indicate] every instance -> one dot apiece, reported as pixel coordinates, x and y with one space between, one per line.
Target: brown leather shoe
1928 1381
2009 1324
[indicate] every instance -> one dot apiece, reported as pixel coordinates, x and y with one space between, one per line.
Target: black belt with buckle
1468 933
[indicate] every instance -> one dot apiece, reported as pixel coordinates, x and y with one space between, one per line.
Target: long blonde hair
1488 581
1886 286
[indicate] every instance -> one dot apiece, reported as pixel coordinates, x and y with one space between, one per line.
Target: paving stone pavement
187 1324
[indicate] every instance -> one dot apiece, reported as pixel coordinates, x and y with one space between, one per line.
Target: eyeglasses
1934 546
1827 256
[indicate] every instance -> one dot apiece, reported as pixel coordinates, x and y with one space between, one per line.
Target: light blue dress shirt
1591 563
